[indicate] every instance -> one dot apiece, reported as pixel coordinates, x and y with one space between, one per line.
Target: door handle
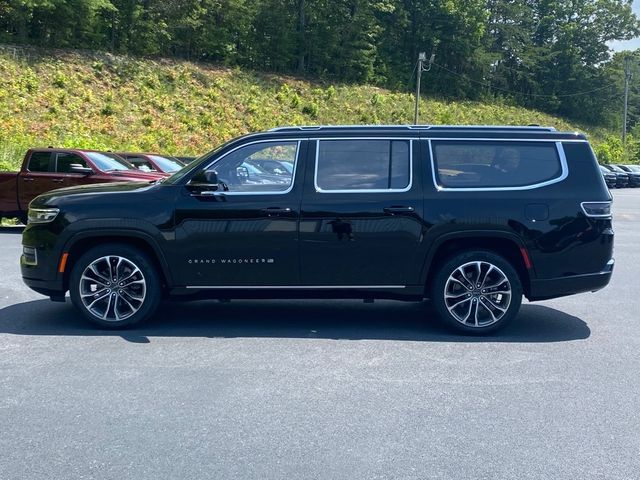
398 209
57 180
275 211
27 179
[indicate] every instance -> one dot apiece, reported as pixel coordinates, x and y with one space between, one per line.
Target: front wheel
477 292
115 286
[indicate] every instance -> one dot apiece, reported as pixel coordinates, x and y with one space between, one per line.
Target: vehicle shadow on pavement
339 320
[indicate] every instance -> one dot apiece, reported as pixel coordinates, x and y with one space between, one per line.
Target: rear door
38 177
360 221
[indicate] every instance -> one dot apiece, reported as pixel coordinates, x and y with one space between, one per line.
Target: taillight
596 209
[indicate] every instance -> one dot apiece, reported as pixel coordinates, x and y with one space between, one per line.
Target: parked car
253 174
610 178
275 167
152 162
622 177
472 218
45 169
634 175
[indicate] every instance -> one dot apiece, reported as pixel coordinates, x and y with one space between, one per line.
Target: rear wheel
115 286
477 292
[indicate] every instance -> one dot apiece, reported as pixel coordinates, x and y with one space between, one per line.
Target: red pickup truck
45 169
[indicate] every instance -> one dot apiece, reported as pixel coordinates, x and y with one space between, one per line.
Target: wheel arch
80 243
502 243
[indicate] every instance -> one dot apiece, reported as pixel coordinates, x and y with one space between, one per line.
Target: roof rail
415 127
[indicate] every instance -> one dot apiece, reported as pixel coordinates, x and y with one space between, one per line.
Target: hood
71 194
136 175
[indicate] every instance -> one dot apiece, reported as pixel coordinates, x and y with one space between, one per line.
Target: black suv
472 218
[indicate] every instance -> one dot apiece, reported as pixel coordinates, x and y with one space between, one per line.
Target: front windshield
108 162
167 164
634 168
616 168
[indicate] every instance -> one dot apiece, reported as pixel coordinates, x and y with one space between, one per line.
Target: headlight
42 215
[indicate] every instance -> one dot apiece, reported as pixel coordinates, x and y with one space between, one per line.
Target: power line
513 92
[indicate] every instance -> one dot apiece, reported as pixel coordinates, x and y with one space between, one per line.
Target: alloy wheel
112 288
477 294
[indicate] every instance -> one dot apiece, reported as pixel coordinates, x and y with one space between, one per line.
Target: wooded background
550 55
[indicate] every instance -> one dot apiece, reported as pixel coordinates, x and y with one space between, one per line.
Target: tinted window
363 165
108 161
167 164
239 172
481 164
39 162
65 160
141 164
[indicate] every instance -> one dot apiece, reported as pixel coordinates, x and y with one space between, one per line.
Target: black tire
134 296
489 309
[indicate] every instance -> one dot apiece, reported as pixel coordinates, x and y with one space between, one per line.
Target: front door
64 162
361 217
244 233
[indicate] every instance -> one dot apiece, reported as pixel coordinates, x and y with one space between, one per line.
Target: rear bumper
634 181
543 289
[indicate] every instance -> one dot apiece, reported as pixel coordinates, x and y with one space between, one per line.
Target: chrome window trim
368 190
298 141
559 148
293 287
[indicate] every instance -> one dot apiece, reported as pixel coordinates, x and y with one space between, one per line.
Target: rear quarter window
495 164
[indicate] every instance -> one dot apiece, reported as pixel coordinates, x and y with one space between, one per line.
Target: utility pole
627 79
422 58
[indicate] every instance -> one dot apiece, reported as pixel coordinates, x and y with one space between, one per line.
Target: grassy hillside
106 102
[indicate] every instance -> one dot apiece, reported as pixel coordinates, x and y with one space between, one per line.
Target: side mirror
204 181
77 168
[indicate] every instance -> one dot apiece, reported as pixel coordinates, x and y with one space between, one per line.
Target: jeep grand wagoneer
472 218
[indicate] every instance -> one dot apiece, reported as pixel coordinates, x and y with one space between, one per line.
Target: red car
45 169
152 162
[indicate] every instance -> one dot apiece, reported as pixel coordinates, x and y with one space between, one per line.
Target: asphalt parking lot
324 389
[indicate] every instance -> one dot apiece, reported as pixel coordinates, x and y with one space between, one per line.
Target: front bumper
42 277
543 289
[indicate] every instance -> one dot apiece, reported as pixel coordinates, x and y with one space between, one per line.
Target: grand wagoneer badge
227 261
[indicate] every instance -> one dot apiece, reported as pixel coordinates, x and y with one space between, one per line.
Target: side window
494 164
65 160
353 165
240 170
141 164
39 162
